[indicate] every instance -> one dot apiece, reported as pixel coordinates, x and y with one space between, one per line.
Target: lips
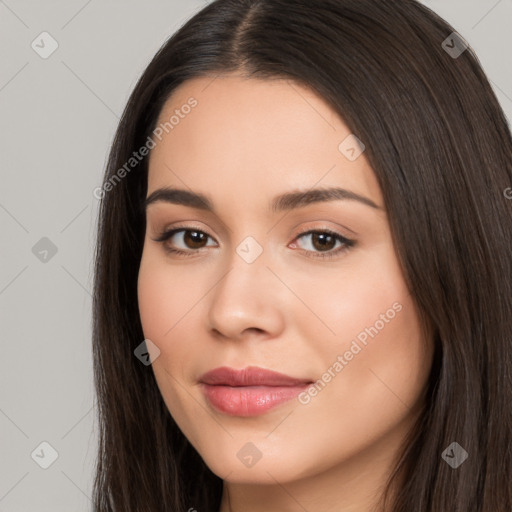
249 391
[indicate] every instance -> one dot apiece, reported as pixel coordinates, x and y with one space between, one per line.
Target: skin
246 141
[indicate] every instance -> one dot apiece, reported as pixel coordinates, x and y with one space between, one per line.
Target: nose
248 301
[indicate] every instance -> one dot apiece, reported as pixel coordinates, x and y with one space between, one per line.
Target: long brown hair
440 146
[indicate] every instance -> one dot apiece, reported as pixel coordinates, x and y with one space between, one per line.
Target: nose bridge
246 276
244 296
250 250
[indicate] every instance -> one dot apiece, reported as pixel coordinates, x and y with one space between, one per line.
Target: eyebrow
283 202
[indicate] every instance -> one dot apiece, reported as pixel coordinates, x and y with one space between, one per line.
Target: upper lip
250 376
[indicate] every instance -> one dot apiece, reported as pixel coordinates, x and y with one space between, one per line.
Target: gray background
57 119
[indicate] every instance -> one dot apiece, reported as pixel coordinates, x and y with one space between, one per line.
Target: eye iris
325 240
193 239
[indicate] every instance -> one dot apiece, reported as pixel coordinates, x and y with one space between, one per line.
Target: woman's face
255 288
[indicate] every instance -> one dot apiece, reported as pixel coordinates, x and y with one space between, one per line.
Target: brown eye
184 241
323 243
194 239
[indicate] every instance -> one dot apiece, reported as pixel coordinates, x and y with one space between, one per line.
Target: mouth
250 391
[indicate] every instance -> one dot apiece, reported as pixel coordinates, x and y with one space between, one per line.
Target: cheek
346 303
163 303
394 358
163 296
160 309
374 327
169 301
375 387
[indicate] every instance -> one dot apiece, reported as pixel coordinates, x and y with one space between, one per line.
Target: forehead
251 133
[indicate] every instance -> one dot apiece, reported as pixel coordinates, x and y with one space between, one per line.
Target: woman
303 274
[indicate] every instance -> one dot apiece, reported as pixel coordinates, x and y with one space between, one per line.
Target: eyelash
347 243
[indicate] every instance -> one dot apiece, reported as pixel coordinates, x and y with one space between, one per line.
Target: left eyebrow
286 201
299 199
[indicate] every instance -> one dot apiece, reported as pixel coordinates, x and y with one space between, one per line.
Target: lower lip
249 400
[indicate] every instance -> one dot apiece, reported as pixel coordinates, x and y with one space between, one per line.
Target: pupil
194 237
324 240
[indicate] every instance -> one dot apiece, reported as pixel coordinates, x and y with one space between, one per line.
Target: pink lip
249 391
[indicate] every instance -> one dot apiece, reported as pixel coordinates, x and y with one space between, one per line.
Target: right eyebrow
179 196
